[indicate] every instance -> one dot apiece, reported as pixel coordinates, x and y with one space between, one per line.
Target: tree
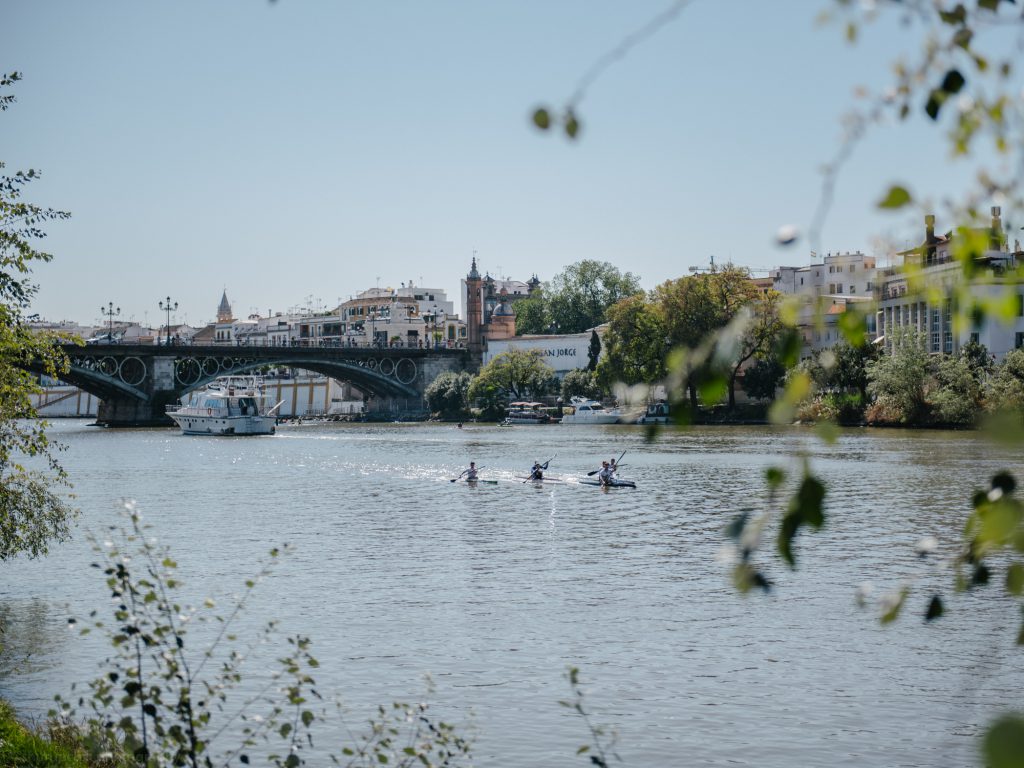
694 308
898 378
581 383
448 394
593 351
757 336
634 345
32 511
515 374
957 398
1004 391
579 297
531 315
763 378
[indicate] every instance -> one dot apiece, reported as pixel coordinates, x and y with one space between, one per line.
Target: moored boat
586 411
526 413
229 405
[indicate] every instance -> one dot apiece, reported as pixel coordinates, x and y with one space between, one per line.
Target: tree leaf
896 197
542 118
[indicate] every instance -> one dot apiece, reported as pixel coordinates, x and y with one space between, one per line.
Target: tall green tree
757 337
33 509
579 297
448 394
516 374
899 378
634 345
531 314
696 307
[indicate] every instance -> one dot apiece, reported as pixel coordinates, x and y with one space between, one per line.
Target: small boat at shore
526 413
586 411
229 405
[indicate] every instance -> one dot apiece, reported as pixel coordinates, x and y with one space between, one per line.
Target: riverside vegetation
170 716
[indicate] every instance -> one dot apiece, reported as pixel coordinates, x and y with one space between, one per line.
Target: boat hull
612 484
195 424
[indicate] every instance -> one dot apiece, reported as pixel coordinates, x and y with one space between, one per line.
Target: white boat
230 405
656 413
526 413
585 411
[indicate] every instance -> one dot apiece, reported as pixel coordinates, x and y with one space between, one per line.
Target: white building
564 353
826 290
919 295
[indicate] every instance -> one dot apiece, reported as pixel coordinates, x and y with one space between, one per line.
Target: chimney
929 238
996 232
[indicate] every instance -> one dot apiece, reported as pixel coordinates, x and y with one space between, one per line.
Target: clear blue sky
306 148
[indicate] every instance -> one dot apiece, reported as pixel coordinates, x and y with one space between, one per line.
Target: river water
495 590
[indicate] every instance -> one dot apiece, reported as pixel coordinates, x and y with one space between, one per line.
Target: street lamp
110 313
168 308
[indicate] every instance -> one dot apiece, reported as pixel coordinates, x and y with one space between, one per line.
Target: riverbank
50 745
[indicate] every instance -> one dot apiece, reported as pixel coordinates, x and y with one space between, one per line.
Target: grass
56 745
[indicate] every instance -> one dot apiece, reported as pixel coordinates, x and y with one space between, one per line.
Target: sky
297 152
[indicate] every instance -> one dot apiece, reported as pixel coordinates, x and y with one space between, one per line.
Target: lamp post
168 308
110 313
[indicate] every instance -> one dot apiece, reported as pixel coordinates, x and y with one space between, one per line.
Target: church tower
474 310
224 310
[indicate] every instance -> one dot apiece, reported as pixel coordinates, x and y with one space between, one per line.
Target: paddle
542 466
456 479
591 474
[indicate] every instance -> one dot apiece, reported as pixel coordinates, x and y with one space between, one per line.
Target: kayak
612 484
478 480
555 480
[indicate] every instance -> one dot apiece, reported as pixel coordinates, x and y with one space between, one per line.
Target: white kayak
613 484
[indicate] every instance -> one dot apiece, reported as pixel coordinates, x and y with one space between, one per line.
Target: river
495 590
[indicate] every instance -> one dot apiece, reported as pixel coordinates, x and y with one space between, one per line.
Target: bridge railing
299 343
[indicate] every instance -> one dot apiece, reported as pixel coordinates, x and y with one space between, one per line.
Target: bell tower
474 310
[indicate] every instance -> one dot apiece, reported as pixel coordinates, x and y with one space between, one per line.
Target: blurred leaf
893 611
805 508
542 118
713 389
572 125
953 81
854 326
828 431
1015 579
935 608
1003 745
775 477
896 197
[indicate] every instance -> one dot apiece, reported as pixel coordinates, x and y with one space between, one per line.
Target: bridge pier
116 411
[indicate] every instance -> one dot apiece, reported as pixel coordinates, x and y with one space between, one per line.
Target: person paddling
471 472
537 473
605 476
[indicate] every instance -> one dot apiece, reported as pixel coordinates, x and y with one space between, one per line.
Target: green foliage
1003 746
581 383
515 375
531 315
448 394
33 512
54 746
600 746
593 351
763 378
1004 390
166 705
957 399
634 345
579 297
898 379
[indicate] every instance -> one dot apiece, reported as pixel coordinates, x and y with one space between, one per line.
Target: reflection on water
496 589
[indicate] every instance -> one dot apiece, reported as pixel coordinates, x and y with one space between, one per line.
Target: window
935 341
947 343
839 268
975 338
801 281
1019 341
831 269
852 267
839 288
853 289
870 286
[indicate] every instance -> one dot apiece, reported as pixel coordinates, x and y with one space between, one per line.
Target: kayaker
537 473
606 473
471 472
613 466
